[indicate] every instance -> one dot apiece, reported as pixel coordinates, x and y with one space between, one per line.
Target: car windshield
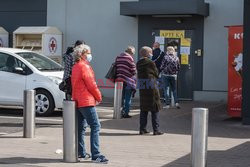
42 63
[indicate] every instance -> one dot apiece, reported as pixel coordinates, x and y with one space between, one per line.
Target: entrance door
182 41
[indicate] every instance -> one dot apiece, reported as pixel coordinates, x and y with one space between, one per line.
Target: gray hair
145 51
79 50
130 50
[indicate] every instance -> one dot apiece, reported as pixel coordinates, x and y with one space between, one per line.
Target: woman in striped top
125 72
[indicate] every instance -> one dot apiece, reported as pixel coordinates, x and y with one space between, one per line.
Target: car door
12 82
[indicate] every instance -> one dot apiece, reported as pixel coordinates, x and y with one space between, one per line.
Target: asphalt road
11 121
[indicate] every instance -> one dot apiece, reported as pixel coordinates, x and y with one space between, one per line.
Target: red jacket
84 89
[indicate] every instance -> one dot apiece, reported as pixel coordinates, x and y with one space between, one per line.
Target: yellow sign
184 59
172 33
186 42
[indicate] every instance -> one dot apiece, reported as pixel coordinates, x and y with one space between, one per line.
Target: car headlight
54 79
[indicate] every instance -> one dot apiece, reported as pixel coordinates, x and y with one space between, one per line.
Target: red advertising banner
235 56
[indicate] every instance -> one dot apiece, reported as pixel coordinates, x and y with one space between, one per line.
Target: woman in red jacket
86 94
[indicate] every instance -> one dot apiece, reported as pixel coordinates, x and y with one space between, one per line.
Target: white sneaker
166 106
177 105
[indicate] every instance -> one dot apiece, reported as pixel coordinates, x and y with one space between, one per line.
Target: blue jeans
88 115
169 82
126 99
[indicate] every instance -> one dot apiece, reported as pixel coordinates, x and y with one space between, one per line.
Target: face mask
150 56
89 57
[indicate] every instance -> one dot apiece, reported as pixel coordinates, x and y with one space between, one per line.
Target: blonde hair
79 50
130 50
144 51
170 50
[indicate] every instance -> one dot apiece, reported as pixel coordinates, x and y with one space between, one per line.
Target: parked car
21 70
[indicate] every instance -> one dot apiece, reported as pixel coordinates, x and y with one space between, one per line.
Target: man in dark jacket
158 55
149 93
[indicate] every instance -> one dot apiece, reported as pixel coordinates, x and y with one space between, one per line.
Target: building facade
110 26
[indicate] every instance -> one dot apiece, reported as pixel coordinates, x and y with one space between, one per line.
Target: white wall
99 23
215 71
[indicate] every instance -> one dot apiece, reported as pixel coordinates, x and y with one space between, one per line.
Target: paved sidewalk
228 142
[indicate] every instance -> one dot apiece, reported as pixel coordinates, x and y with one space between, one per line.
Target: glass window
42 63
9 63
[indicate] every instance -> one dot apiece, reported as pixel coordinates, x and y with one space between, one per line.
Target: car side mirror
19 70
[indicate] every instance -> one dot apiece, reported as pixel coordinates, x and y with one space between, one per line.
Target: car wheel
44 103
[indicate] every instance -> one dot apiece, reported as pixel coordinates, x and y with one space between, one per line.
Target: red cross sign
52 45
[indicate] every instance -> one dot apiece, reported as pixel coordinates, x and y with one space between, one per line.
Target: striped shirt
126 69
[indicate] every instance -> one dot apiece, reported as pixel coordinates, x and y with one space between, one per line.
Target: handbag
111 74
65 86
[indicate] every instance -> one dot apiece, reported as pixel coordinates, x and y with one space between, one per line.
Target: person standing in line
125 72
68 60
149 95
87 95
170 67
158 55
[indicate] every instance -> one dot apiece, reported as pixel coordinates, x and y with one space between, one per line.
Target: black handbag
111 75
65 86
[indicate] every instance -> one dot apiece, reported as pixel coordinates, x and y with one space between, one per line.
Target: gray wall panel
100 24
222 13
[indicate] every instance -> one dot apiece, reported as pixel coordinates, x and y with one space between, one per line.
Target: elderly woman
87 95
149 93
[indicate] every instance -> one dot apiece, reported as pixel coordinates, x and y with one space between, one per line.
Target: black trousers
144 120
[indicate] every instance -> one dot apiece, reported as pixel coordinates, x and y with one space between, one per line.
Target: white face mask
89 57
150 56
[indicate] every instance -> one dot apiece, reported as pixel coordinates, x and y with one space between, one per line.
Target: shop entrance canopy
168 8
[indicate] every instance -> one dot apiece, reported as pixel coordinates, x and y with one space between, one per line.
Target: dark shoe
86 156
100 159
158 133
126 116
142 132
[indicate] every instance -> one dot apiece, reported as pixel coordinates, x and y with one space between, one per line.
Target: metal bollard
199 137
29 114
118 100
70 141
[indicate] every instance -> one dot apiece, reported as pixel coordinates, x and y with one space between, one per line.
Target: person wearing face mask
149 92
125 72
86 95
158 55
170 67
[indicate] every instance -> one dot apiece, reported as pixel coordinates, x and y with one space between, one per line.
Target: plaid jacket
170 65
68 64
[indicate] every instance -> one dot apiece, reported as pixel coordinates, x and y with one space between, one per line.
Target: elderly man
149 93
158 55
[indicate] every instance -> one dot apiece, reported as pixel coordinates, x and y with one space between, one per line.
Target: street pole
29 114
70 143
118 100
199 137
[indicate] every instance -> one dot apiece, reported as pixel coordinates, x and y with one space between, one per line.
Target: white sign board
4 40
52 45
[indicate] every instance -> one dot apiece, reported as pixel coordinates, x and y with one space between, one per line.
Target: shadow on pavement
178 121
23 160
236 156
